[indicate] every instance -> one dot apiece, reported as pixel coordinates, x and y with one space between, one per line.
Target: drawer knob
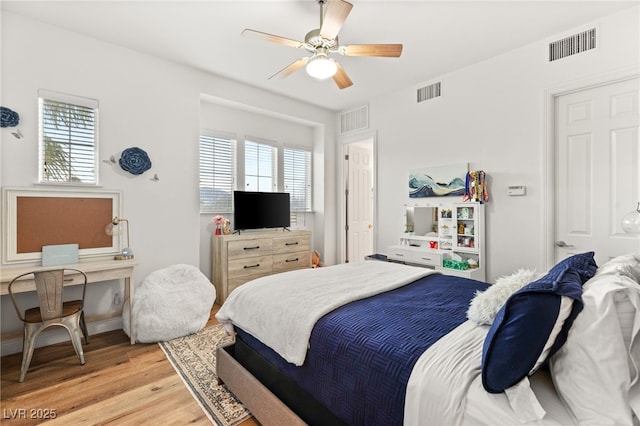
291 244
251 266
252 248
291 260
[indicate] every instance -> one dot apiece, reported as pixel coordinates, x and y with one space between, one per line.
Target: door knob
564 245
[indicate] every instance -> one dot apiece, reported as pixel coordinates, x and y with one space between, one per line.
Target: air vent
572 45
428 92
354 120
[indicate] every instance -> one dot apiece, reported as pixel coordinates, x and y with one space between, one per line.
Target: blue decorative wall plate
8 117
135 161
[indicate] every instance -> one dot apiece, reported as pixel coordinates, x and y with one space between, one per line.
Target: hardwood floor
120 384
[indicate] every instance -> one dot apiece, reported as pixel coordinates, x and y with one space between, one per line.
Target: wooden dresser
239 258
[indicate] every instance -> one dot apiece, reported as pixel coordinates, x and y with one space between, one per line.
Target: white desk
96 270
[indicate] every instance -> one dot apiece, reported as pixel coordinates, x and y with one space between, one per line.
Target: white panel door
597 154
359 202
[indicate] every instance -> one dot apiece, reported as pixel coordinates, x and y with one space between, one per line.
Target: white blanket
281 310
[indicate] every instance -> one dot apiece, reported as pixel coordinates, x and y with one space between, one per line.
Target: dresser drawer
290 244
257 265
234 283
429 259
288 261
249 248
400 253
415 255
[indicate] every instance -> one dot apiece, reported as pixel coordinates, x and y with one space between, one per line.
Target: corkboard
45 221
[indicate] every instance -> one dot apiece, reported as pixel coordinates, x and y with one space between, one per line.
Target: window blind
68 139
217 174
297 178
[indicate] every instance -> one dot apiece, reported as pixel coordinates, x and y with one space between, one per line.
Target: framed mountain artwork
438 181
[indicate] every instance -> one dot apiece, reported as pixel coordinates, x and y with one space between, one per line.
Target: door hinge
346 157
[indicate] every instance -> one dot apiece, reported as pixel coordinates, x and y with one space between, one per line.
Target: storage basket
455 264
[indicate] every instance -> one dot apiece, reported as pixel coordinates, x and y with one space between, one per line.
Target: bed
380 343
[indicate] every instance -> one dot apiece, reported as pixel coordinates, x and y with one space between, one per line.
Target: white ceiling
438 36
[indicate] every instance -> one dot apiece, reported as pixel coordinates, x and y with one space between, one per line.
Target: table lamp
631 221
114 228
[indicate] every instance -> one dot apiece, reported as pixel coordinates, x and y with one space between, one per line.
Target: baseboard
54 335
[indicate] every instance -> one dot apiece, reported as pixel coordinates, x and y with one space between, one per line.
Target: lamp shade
321 67
631 221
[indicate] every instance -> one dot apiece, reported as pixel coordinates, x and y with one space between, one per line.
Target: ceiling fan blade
384 50
272 38
334 17
341 78
291 68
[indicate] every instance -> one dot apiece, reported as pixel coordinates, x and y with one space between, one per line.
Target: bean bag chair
170 303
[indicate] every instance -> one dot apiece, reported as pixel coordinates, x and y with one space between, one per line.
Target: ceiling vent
572 45
428 92
354 120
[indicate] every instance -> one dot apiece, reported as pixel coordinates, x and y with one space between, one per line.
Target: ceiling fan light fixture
321 67
322 41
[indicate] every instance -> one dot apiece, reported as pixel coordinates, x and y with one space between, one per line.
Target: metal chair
52 311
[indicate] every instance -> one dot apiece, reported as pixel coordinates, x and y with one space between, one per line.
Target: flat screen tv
258 210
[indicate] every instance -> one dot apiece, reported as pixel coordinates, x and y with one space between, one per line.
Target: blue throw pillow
584 264
523 326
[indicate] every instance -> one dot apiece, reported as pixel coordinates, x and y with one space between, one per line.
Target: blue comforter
361 354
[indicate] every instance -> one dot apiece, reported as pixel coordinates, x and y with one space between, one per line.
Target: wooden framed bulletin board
36 217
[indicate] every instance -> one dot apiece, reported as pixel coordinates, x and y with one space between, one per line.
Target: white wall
145 102
492 115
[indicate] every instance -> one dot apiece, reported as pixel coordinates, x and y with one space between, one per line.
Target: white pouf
169 303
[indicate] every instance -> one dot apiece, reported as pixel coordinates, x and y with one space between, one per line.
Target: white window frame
262 146
45 96
224 184
302 179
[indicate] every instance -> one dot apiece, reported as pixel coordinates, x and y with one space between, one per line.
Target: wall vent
354 120
429 92
574 44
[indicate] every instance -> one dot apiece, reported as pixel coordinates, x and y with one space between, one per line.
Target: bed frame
265 391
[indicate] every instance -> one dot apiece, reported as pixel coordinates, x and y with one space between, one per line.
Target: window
217 173
259 167
264 170
68 135
297 178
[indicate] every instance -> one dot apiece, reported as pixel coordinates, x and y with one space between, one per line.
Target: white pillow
627 265
592 371
626 316
486 304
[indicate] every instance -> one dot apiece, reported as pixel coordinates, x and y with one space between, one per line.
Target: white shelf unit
443 231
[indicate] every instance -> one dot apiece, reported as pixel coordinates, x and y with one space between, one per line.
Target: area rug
194 359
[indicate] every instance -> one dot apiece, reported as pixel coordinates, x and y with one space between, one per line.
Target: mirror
421 220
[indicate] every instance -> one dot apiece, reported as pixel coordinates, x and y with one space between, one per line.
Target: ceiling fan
324 41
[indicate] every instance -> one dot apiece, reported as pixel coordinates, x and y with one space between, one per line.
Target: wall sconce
114 228
631 221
